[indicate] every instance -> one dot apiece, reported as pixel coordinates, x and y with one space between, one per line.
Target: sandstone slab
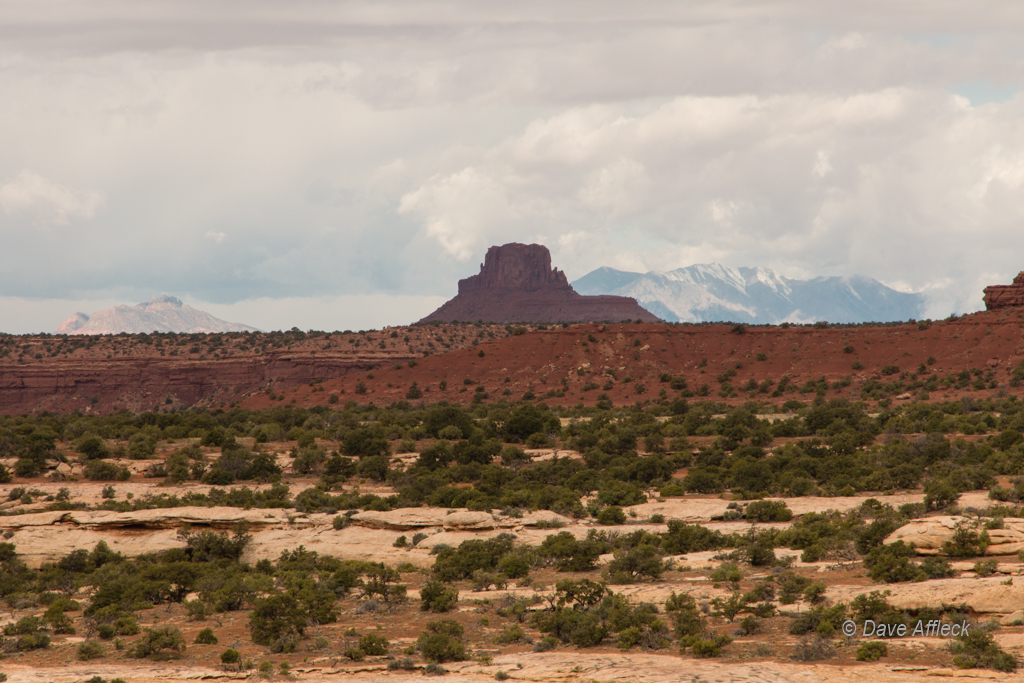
930 533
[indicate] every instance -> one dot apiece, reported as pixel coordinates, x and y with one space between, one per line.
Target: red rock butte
516 283
1004 296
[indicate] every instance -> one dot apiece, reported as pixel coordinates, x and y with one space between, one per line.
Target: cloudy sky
338 165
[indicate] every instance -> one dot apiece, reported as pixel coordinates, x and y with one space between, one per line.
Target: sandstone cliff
1002 296
516 283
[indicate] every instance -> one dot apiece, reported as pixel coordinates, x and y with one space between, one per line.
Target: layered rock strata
1004 296
516 283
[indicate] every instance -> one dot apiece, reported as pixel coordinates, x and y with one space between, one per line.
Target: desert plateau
542 502
575 342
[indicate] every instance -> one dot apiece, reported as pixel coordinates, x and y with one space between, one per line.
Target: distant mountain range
713 292
159 314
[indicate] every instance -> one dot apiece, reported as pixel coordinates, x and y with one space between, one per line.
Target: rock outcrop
930 533
1003 296
516 283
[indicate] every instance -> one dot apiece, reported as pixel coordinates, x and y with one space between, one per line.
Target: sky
340 165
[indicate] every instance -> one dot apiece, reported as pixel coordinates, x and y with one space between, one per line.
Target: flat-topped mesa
525 267
516 283
1004 296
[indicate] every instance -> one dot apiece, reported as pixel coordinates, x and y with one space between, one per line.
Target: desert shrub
939 494
364 442
966 542
92 447
891 563
872 651
750 625
727 571
374 645
471 556
874 534
230 656
572 555
611 515
813 649
141 446
821 620
435 596
978 650
685 614
209 546
635 564
936 568
585 613
89 649
707 647
404 664
682 538
274 617
511 635
768 511
100 470
206 637
308 460
164 642
382 582
442 642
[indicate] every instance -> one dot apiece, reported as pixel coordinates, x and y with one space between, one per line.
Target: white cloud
378 149
47 202
913 184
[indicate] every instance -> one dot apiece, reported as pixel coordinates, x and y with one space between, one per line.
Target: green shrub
435 596
374 645
768 511
471 556
821 620
92 447
511 635
727 571
978 650
966 542
275 617
891 563
164 642
685 614
872 651
89 649
442 642
635 564
100 470
230 657
572 555
708 647
206 637
611 515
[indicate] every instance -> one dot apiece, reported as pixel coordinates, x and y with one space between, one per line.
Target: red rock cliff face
146 383
522 267
1002 296
516 283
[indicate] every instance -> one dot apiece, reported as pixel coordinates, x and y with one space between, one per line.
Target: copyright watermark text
927 629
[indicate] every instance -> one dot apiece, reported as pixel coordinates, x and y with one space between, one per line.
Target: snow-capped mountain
713 292
159 314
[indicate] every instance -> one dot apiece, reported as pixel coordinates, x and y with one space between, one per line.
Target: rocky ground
44 536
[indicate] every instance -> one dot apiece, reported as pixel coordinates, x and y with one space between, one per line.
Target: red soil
308 372
551 360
